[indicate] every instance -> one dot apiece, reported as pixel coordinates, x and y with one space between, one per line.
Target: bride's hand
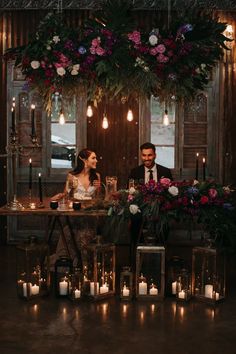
97 183
58 196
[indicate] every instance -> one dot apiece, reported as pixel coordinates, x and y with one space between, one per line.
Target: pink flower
165 182
96 42
130 198
92 50
135 37
161 48
212 193
153 51
162 58
100 51
204 200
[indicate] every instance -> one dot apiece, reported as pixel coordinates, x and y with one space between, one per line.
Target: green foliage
112 57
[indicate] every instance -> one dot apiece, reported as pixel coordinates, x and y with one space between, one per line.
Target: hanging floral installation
111 55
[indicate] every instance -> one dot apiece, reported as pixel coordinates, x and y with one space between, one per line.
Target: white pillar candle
181 294
63 287
35 289
174 285
209 290
217 296
25 289
104 289
142 288
77 293
153 291
125 291
92 288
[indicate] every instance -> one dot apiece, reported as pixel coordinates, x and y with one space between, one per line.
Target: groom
149 170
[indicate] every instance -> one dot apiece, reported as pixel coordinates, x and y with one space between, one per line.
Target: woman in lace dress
82 183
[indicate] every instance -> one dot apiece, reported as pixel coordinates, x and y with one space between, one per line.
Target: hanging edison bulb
166 118
105 123
130 116
89 111
61 118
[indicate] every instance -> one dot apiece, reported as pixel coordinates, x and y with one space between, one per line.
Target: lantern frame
33 269
208 285
183 286
99 280
154 250
126 284
63 273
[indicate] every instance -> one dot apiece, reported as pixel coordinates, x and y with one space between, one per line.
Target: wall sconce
89 112
61 118
166 118
105 123
130 116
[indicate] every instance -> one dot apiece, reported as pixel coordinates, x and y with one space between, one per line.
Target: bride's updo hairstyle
84 155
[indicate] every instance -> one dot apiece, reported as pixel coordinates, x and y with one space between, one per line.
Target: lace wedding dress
84 227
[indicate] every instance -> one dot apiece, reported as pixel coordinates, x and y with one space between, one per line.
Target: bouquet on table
158 203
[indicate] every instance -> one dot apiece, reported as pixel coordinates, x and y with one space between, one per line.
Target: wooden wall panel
117 146
195 134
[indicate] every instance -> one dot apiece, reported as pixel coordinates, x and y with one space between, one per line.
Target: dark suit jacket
138 173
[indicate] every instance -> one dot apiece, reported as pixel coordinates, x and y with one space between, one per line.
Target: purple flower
228 206
185 28
82 50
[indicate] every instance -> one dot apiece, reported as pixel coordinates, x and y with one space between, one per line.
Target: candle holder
183 286
208 275
13 150
33 273
76 290
100 271
150 273
63 272
126 284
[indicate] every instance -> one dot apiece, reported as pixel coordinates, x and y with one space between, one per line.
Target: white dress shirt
147 173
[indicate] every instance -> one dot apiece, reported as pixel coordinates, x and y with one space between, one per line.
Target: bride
82 183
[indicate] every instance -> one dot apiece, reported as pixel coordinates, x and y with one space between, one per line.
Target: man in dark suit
149 170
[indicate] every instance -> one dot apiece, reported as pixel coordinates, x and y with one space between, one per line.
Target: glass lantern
126 284
63 273
174 266
208 274
150 272
99 272
183 286
33 276
76 285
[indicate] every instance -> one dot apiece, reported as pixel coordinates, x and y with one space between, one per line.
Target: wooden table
54 217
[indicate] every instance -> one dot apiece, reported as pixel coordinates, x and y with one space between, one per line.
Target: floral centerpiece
111 56
207 203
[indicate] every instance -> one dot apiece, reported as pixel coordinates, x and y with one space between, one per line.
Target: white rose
173 190
56 39
61 71
49 47
74 72
134 209
76 67
153 39
132 190
195 182
35 64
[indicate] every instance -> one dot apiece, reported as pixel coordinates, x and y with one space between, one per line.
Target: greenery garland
111 56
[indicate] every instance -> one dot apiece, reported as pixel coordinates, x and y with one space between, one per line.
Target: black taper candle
40 189
13 122
204 169
30 174
33 130
196 174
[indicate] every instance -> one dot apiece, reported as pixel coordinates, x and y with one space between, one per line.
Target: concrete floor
110 327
